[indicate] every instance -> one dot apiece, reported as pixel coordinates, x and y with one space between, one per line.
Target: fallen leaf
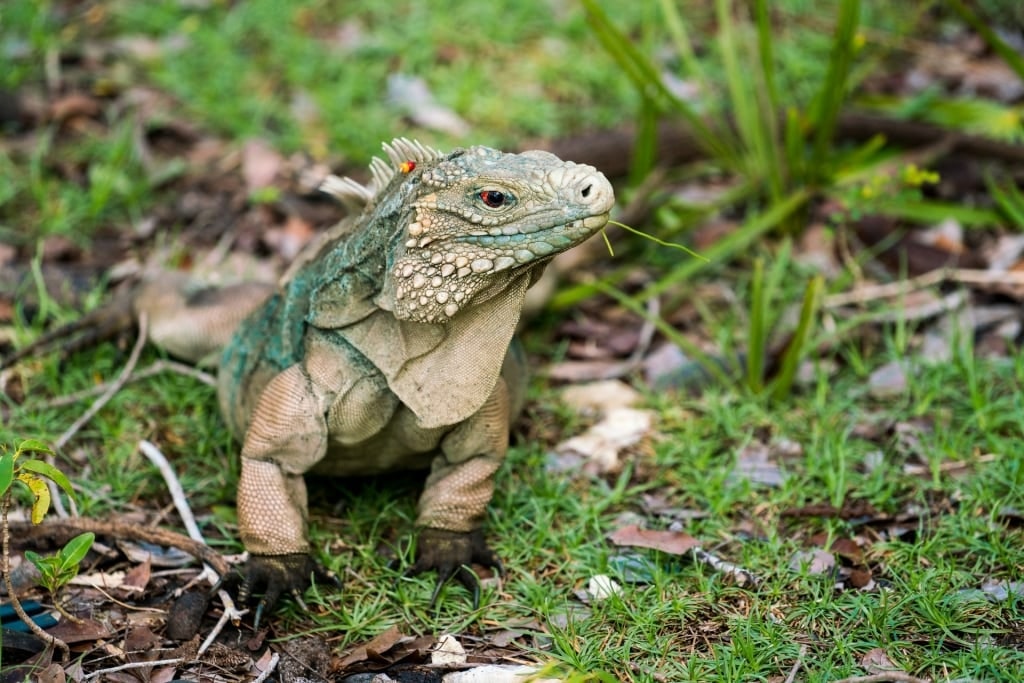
755 463
260 164
375 648
814 562
105 580
54 673
888 380
999 591
498 673
876 661
602 587
137 577
74 105
448 650
411 96
598 398
600 446
672 542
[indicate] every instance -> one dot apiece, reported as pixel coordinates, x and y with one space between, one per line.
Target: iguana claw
277 574
451 553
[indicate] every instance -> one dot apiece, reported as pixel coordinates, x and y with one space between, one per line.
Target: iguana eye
494 198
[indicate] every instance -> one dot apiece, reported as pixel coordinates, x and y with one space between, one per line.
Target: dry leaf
260 164
448 650
600 397
601 445
376 647
672 542
813 561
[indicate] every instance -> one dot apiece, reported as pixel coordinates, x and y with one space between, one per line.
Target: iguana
389 347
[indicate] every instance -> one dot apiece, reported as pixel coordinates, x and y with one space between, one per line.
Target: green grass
522 71
683 621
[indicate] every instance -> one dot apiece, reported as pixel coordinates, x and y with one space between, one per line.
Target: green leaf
34 446
6 472
75 550
50 472
35 558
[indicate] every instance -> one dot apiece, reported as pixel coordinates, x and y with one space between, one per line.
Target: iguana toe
450 554
277 574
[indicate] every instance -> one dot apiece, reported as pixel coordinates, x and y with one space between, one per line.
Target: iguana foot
277 574
451 553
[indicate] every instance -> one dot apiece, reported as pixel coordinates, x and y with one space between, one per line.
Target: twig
112 389
741 576
133 665
647 331
231 613
965 276
132 532
154 455
271 665
51 640
887 677
152 370
796 665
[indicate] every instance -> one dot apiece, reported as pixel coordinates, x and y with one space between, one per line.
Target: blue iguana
389 346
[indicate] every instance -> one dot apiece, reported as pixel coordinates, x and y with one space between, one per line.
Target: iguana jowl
390 347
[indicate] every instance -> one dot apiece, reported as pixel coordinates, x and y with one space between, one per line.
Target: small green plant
24 466
57 570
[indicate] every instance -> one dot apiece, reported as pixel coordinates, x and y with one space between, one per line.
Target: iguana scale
389 347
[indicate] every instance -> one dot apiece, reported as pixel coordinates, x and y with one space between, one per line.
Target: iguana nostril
586 190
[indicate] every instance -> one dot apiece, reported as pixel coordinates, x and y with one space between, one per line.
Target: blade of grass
708 363
794 353
757 338
683 44
753 118
734 243
648 81
645 149
1009 200
833 89
991 38
923 211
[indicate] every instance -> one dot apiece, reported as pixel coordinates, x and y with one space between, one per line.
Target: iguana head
470 222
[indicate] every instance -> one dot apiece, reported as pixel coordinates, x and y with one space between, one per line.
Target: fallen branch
964 276
174 487
887 677
741 576
112 389
131 532
152 370
231 613
133 665
796 665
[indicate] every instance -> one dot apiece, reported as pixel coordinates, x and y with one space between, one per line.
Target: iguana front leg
286 436
456 495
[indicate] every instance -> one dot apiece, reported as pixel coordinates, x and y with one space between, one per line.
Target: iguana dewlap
391 347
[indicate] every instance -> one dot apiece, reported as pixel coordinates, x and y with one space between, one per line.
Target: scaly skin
390 347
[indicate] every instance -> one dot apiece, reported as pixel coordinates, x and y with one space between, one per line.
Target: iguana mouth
567 233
